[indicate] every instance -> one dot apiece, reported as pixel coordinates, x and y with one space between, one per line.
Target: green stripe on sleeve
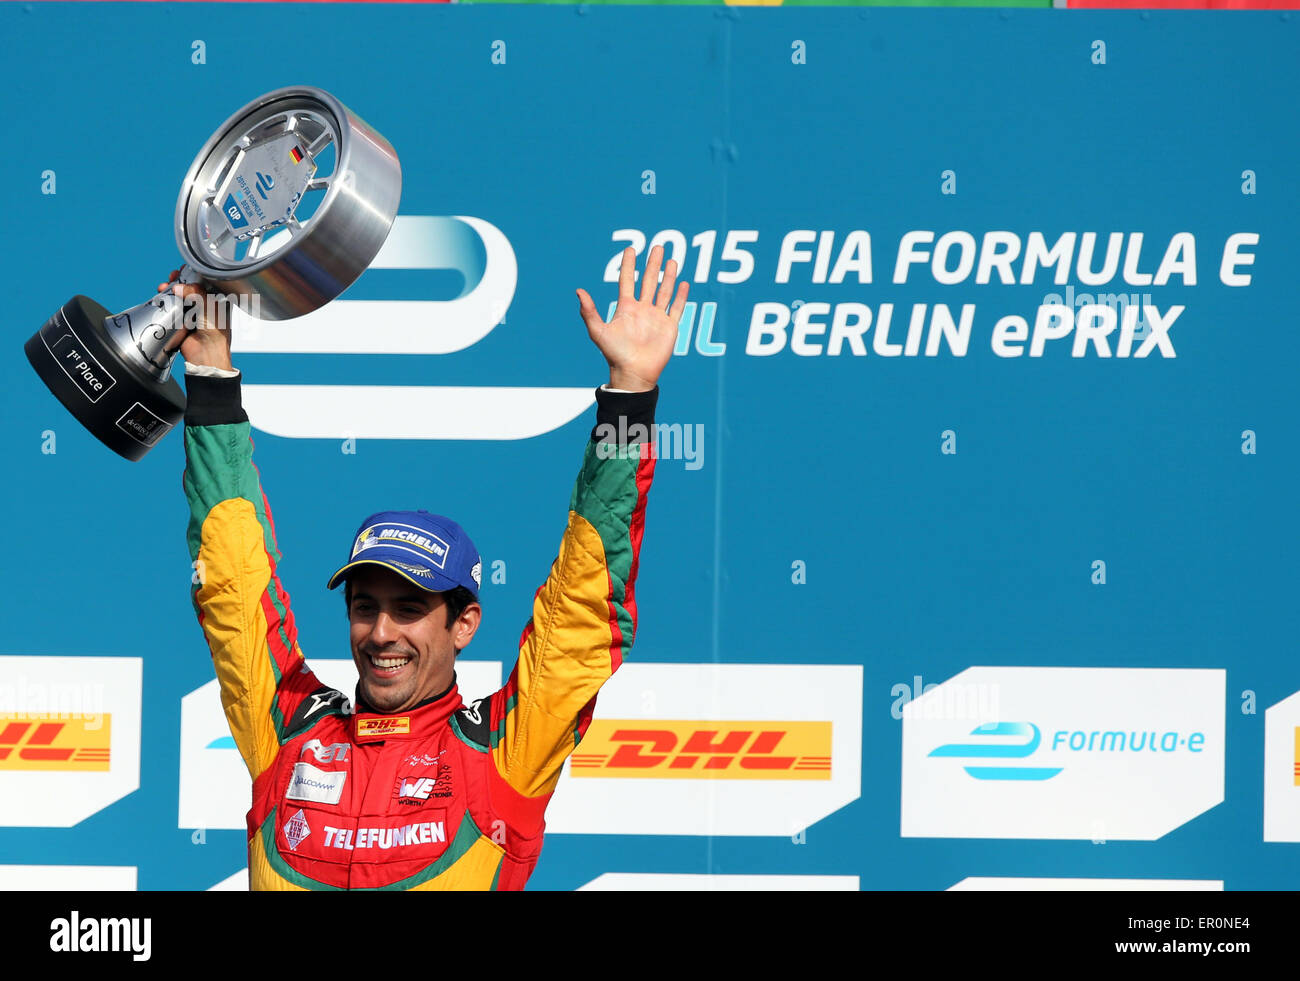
605 494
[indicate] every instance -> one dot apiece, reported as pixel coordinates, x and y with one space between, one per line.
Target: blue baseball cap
431 551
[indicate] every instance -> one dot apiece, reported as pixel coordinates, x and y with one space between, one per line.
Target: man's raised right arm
242 607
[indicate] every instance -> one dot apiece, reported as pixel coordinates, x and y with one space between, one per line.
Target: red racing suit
446 795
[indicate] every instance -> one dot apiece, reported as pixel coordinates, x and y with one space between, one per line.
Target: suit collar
369 726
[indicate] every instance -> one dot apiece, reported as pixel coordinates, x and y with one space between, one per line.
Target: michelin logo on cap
403 536
476 573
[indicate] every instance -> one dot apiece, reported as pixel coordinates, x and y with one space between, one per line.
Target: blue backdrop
917 562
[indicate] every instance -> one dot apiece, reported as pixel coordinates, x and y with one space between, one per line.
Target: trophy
283 208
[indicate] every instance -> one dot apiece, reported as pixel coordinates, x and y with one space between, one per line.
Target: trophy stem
150 333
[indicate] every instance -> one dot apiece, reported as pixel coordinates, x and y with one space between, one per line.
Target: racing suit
446 795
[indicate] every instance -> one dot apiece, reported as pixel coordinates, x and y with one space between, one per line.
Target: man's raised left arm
584 617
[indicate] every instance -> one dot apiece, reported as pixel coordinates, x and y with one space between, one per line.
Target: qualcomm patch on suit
1072 753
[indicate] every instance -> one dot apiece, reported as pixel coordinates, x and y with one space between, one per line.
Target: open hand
638 340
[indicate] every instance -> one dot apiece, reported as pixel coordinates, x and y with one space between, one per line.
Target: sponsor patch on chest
327 836
314 784
365 839
431 780
391 726
418 789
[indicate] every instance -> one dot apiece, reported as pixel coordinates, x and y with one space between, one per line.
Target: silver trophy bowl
282 209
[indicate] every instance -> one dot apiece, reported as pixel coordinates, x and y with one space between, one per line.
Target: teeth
388 662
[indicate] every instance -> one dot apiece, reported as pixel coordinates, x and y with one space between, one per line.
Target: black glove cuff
624 417
213 401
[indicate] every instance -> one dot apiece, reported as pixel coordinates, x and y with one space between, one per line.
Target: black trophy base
123 406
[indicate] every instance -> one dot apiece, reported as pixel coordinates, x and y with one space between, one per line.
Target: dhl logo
47 742
1297 756
384 727
705 750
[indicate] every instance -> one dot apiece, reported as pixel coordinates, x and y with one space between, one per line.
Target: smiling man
412 596
412 788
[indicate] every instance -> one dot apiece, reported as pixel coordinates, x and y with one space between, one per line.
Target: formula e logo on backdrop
215 791
1079 753
484 256
1064 740
992 748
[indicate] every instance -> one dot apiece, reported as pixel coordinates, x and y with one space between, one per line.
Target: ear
466 625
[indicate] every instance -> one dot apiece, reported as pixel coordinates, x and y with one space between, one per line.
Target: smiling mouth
388 665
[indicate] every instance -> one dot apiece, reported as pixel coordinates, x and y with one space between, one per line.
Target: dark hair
457 600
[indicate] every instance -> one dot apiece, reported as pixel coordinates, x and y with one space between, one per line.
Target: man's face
402 646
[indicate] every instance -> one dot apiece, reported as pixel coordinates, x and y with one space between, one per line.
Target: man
414 789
